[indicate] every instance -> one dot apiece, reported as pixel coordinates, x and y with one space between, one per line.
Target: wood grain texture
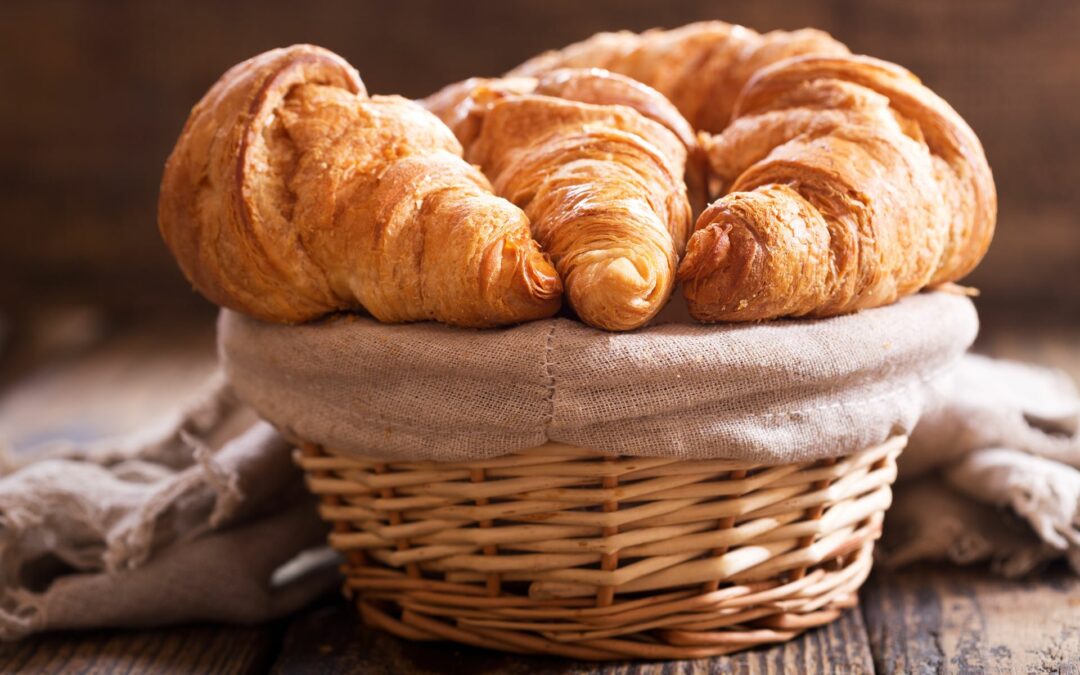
1032 337
195 649
954 619
329 639
103 90
930 619
79 376
99 375
1005 67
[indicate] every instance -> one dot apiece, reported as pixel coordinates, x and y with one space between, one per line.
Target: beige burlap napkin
991 472
772 392
204 517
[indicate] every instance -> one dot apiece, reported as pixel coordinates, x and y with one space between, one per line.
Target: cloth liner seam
549 369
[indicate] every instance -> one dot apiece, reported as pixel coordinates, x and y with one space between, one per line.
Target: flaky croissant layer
849 185
597 162
291 194
843 183
700 67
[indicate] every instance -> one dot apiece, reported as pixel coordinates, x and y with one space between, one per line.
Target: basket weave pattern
562 550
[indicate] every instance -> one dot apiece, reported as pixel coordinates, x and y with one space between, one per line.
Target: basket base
712 624
566 552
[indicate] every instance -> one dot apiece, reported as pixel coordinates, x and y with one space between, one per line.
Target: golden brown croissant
460 106
700 67
850 184
602 184
291 194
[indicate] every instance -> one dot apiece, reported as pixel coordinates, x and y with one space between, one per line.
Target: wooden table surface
76 374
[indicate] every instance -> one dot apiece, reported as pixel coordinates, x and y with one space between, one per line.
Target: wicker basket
561 550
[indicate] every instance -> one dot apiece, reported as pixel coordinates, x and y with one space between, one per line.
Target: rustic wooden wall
94 94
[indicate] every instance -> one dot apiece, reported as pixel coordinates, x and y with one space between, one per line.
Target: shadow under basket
563 550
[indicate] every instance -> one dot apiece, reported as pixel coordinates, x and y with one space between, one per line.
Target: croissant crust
700 67
291 193
842 183
849 185
597 162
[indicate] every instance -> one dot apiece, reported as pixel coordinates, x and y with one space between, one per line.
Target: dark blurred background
94 94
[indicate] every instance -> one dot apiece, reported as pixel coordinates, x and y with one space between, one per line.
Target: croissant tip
545 283
705 250
635 293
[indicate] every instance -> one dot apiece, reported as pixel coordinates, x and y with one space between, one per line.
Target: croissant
700 67
601 183
291 193
849 184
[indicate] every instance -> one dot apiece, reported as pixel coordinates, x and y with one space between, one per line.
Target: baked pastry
460 106
291 193
846 184
602 184
849 185
700 67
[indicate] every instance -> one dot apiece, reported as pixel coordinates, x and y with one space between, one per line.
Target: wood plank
1032 337
187 649
964 619
1009 66
330 639
931 619
948 619
78 375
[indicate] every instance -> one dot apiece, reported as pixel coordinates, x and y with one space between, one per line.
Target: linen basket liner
775 392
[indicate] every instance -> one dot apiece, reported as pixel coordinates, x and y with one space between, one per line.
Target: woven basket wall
561 550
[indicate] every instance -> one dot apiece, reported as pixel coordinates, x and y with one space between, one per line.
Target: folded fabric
196 519
991 472
771 392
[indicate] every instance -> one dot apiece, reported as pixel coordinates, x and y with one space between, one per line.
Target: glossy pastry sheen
849 185
291 194
700 67
602 183
461 105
